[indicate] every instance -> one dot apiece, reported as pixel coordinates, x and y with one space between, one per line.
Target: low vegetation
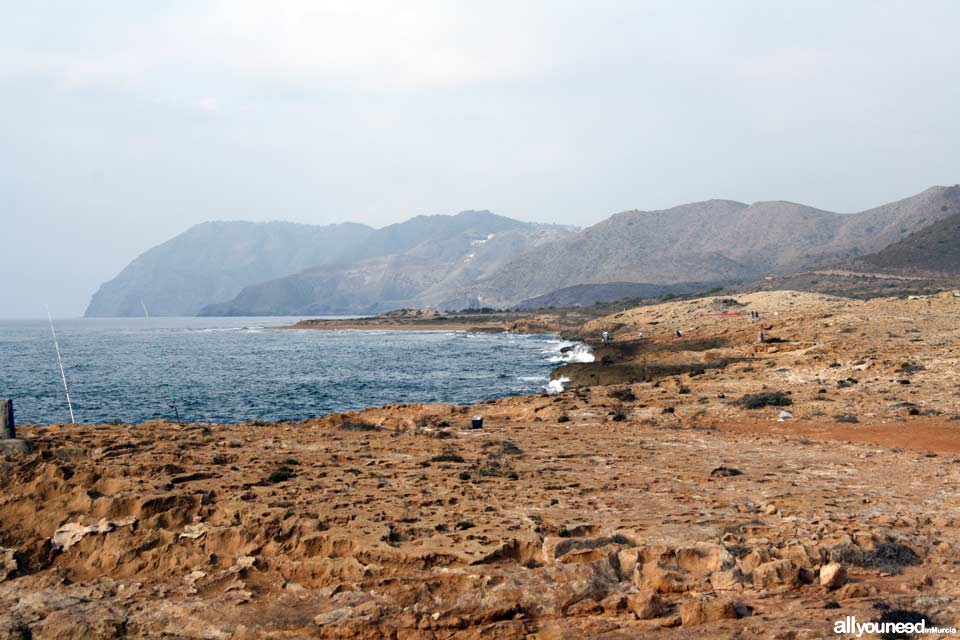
766 399
353 425
280 475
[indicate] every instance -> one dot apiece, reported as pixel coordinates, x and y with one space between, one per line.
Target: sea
230 370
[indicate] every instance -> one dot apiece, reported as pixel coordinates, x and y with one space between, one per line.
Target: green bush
281 474
447 457
768 399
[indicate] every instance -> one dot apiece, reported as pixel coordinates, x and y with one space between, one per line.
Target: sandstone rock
72 532
59 626
707 608
803 555
193 532
703 558
677 570
661 579
14 447
647 605
335 616
776 573
728 580
614 603
585 607
627 562
8 563
854 590
832 576
752 560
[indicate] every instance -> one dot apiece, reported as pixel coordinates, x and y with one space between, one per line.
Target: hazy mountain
476 258
215 260
407 264
716 240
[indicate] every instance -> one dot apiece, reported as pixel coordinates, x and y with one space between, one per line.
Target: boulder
833 575
776 573
647 605
707 608
663 579
854 590
726 580
752 560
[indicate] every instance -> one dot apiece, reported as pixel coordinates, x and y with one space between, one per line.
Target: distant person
679 334
606 337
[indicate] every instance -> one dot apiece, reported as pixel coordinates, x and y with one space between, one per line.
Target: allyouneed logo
849 625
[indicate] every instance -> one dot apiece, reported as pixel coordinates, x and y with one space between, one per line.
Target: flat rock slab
14 446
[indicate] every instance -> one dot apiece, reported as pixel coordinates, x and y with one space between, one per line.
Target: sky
124 122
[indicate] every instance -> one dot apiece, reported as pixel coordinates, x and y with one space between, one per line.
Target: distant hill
213 261
715 240
406 264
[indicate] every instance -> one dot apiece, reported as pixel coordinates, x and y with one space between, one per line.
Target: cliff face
214 261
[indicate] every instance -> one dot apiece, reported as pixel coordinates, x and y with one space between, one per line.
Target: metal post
8 429
10 444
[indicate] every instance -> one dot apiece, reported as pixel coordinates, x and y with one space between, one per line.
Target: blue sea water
239 369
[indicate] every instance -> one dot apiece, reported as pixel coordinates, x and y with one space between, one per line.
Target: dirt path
934 434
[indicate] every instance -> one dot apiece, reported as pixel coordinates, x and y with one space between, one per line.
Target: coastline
336 325
557 322
676 499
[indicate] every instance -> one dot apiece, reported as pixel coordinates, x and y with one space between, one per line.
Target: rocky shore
716 486
557 321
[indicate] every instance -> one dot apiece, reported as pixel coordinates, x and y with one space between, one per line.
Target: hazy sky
124 122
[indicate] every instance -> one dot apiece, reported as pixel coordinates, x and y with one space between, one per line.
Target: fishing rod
63 375
173 396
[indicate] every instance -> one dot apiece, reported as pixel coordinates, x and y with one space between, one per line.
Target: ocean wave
225 330
533 378
568 352
556 386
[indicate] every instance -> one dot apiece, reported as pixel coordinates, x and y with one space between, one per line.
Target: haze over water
235 369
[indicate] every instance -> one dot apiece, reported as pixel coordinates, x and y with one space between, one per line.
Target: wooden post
8 428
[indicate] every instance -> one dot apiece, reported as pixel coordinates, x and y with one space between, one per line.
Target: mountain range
425 261
477 258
